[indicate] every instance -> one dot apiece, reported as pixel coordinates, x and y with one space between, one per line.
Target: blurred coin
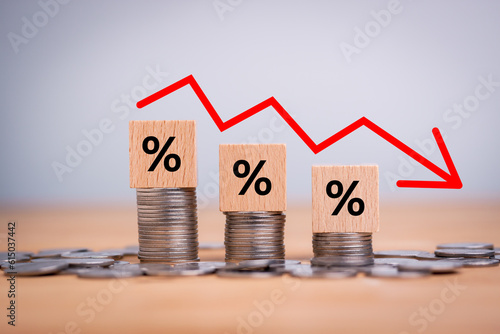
109 273
93 255
58 252
467 245
181 272
442 266
247 274
462 252
396 261
313 272
477 262
37 269
398 253
395 273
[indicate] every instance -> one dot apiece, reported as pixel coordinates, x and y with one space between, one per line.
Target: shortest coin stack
168 225
254 235
342 249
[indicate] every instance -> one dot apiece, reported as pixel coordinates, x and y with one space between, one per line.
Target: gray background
73 72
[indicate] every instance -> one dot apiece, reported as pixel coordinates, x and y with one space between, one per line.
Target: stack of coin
254 235
168 225
342 249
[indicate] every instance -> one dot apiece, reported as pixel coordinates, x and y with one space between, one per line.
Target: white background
66 77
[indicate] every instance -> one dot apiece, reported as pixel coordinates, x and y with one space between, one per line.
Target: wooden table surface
467 302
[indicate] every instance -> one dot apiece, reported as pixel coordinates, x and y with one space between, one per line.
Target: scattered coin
396 261
477 262
434 267
58 252
16 259
462 252
82 263
181 272
466 245
93 255
247 274
7 255
306 271
204 264
109 273
411 254
395 273
37 269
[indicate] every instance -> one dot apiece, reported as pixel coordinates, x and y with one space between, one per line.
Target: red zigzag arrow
451 179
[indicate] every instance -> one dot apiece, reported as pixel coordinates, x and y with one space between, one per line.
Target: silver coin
462 252
16 259
181 272
124 251
442 266
16 254
312 272
109 273
203 264
83 263
497 251
144 267
119 264
247 274
397 253
477 262
396 261
37 269
395 273
427 256
341 261
93 255
58 252
167 261
466 245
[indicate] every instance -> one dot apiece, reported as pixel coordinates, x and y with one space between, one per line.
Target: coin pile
254 235
342 249
401 264
168 225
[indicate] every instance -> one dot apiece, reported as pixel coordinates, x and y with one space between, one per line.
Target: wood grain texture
274 169
184 145
367 189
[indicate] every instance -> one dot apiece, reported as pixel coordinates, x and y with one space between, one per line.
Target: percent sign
350 204
251 179
161 155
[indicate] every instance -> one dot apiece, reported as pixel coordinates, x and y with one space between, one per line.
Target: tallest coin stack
163 171
168 225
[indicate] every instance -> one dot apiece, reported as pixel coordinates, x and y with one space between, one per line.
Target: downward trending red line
451 179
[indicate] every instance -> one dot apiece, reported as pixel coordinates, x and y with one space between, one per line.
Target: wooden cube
238 164
334 209
180 171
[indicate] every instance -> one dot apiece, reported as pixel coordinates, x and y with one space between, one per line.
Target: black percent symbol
251 179
350 203
161 155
